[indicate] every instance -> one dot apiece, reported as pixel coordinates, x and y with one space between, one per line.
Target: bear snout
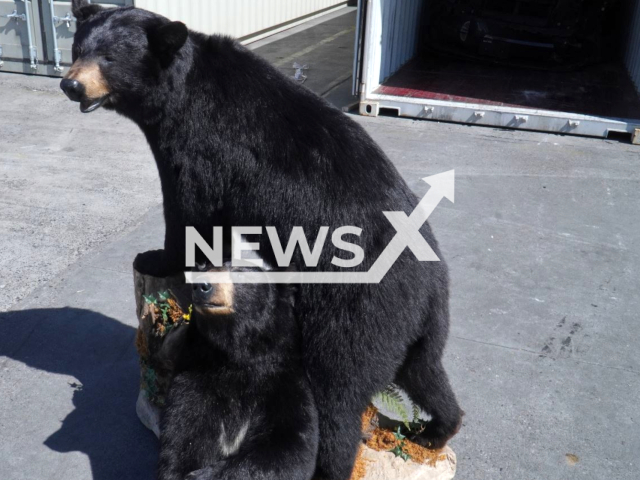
72 89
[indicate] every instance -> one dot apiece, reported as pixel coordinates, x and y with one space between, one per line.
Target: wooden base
386 466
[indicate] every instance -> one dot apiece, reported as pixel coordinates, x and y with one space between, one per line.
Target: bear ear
83 10
166 40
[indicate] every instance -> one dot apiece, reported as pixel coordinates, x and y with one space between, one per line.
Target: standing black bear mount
237 143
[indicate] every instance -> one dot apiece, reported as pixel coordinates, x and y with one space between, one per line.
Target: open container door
359 47
393 40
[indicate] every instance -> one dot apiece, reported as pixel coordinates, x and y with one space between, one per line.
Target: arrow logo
407 236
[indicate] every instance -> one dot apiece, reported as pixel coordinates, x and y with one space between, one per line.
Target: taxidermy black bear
240 406
238 144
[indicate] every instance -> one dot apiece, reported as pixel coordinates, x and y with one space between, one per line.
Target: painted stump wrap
160 329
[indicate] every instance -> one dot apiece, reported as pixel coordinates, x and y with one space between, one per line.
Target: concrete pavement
542 243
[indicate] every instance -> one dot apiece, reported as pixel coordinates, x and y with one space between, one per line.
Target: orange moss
175 312
384 440
369 420
420 454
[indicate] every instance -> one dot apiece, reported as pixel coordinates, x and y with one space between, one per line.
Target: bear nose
202 292
72 89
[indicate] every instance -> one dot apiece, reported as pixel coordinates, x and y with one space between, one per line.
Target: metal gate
36 35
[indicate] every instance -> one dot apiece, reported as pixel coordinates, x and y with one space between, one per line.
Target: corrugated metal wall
239 18
400 34
632 58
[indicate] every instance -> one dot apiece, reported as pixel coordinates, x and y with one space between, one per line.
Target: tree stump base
163 306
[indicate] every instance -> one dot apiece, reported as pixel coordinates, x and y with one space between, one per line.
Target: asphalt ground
542 244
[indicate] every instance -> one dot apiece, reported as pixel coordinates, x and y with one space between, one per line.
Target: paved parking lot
542 242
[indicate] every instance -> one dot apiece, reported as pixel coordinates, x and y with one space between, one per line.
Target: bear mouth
88 105
215 308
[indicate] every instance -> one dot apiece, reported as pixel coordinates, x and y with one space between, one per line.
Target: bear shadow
99 352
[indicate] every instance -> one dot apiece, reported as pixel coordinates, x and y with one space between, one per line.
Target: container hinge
1 61
68 18
55 23
14 15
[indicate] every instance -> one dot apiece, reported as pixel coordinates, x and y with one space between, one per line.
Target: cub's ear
166 40
83 10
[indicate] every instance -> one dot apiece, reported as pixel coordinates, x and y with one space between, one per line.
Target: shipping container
21 46
36 35
547 65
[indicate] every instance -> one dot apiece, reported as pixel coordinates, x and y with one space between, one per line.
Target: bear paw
436 435
155 263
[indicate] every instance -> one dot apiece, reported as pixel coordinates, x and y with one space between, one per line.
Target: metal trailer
387 37
36 35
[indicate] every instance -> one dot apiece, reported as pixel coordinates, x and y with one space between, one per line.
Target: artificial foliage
162 315
392 399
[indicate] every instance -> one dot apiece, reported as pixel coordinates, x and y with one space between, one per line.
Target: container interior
596 79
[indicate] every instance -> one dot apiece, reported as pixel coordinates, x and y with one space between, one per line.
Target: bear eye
109 58
201 266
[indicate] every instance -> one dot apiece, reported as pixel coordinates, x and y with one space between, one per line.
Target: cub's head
236 314
118 55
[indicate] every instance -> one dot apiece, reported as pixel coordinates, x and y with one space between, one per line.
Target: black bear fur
239 406
238 144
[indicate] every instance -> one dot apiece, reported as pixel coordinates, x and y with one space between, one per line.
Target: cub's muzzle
213 299
203 293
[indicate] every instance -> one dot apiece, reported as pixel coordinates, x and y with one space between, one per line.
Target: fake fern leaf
392 399
416 413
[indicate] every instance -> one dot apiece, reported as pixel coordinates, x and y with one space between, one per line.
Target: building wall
238 18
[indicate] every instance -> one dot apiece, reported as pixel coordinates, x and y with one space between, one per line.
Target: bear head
244 319
118 55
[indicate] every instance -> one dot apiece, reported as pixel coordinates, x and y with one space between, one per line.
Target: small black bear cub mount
239 406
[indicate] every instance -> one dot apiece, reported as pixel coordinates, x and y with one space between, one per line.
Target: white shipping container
388 45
